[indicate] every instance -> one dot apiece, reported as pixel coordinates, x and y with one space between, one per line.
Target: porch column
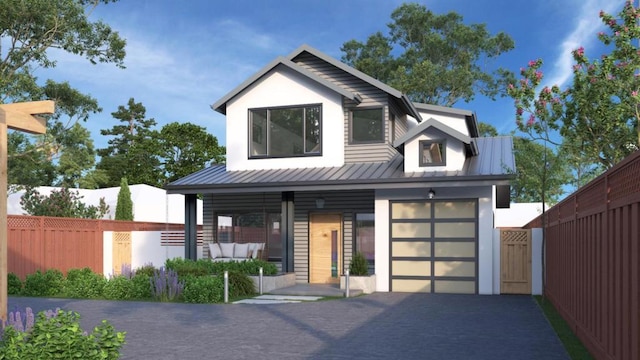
286 231
190 227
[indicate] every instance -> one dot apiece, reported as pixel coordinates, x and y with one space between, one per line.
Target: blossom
617 33
532 63
538 75
519 111
612 22
546 90
580 51
531 121
634 93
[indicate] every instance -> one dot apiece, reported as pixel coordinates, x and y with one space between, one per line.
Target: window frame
382 124
268 133
370 262
424 144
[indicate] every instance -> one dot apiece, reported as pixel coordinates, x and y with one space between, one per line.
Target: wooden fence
593 261
41 243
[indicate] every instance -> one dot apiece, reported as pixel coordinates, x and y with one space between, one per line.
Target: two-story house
324 160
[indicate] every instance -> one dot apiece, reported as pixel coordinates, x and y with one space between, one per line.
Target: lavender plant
165 285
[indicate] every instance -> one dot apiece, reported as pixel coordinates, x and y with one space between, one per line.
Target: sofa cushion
256 250
214 250
241 251
227 249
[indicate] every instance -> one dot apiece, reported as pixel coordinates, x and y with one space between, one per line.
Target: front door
325 248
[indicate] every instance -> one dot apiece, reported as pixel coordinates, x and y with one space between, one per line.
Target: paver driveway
381 325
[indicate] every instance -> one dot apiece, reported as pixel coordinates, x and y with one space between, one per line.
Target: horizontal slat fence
592 261
41 243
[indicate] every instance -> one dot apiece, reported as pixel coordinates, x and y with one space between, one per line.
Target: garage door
434 246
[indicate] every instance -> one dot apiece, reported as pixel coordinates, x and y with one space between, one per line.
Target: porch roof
494 165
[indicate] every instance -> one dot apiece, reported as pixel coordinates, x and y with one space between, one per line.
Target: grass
571 343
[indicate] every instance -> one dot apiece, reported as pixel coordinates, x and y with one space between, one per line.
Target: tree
28 29
438 59
595 120
187 148
61 203
124 207
28 165
133 152
486 130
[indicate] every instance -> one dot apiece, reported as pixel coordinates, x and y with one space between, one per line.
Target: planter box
365 283
273 282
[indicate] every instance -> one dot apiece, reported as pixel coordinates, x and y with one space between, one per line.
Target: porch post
190 227
286 231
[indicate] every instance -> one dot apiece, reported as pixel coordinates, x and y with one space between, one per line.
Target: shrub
59 336
147 269
14 285
141 287
359 265
84 283
51 283
186 267
165 285
203 289
240 285
119 288
248 267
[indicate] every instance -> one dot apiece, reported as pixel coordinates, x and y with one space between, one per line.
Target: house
150 204
324 160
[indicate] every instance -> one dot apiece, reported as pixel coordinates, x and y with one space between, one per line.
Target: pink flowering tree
594 121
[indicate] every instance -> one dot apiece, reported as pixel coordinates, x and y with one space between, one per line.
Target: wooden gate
121 250
515 261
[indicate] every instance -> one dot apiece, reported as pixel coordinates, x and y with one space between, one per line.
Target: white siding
456 122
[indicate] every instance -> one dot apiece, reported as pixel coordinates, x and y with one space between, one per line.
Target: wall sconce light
320 203
432 194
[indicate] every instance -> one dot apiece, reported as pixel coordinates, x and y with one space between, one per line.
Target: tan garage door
434 246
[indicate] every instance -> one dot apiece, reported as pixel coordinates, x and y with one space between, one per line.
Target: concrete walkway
376 326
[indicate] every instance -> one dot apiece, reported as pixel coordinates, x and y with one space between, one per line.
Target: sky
182 56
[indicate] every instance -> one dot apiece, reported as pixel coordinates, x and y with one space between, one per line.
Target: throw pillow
227 249
241 251
214 251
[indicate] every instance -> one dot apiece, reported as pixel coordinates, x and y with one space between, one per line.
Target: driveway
381 325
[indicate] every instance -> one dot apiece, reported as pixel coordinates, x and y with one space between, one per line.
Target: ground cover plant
571 343
57 335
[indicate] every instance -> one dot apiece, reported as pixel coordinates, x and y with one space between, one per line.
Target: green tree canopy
133 150
439 60
29 29
187 148
124 207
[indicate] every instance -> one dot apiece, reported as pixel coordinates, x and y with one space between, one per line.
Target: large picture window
367 125
285 131
252 228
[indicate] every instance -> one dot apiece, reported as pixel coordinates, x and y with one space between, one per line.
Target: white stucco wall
146 248
485 229
454 153
517 215
283 87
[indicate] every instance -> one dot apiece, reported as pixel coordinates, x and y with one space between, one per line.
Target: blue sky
182 56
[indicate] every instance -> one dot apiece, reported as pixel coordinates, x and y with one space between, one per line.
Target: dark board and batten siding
346 203
371 97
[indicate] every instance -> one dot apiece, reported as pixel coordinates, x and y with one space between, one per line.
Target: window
432 153
365 238
252 227
285 131
367 125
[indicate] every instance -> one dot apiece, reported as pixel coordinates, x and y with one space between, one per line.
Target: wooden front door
325 248
515 261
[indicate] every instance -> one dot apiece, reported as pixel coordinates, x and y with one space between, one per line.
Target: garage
434 246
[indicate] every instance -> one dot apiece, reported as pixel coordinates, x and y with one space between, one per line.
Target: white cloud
587 25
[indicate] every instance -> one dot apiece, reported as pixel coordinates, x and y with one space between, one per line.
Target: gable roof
404 99
431 122
221 105
494 165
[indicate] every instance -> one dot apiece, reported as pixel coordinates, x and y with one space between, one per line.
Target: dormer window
432 153
285 131
367 126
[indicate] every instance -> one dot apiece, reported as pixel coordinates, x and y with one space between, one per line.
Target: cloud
587 25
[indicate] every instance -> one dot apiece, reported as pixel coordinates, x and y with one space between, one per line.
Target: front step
314 290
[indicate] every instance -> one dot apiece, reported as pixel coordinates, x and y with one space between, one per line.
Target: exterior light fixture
320 203
432 194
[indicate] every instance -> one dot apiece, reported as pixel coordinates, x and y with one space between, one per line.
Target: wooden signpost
22 117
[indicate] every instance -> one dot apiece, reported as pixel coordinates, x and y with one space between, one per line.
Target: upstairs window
285 131
367 126
432 153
